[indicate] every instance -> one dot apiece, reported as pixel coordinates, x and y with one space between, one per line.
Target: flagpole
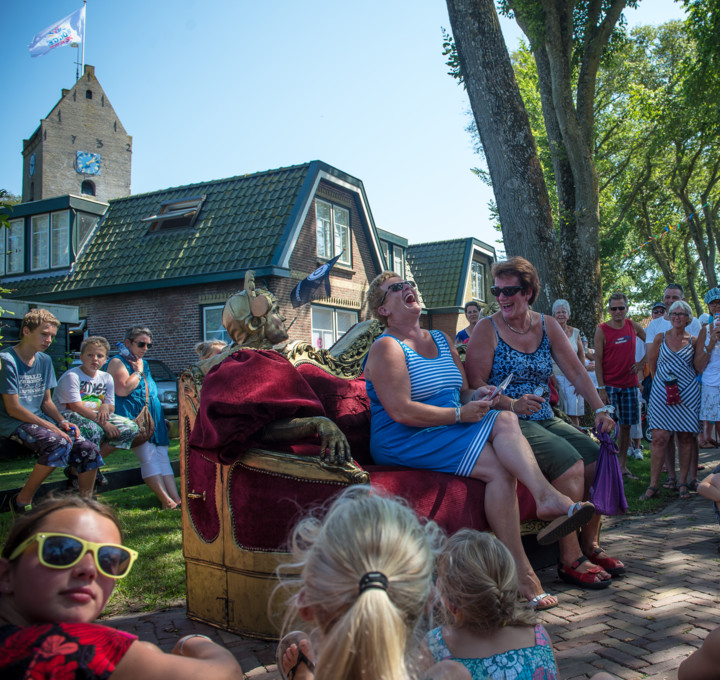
82 68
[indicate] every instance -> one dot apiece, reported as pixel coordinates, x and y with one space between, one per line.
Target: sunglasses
678 314
617 309
395 287
658 310
143 344
507 291
62 551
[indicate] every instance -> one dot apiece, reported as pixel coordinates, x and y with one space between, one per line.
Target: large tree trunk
502 122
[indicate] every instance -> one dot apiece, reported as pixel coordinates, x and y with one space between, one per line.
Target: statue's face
275 325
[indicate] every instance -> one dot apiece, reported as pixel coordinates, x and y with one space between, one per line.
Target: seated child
703 663
58 569
491 633
28 413
86 397
365 583
710 488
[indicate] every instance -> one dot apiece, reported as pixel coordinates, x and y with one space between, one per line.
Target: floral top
526 663
61 651
531 372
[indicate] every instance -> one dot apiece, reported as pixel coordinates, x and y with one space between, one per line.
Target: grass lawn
157 579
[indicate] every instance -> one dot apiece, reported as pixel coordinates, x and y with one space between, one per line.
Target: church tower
81 148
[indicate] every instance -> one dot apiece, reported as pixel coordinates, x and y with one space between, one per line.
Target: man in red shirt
615 369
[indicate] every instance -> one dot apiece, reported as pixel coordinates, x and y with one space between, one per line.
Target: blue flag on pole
305 290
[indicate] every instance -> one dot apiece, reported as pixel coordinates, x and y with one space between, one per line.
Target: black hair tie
373 579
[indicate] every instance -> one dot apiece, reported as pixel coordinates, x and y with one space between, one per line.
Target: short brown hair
618 296
524 270
134 331
95 340
26 525
36 318
375 294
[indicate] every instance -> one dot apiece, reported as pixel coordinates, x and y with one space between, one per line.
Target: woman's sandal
670 484
535 602
578 516
293 638
693 485
591 579
683 495
612 565
649 493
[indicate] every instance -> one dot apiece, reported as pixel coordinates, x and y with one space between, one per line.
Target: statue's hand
250 283
334 447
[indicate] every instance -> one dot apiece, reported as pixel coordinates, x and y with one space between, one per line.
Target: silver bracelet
457 415
183 640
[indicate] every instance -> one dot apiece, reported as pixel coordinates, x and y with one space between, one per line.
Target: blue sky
216 89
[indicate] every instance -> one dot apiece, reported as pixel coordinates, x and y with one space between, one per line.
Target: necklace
515 330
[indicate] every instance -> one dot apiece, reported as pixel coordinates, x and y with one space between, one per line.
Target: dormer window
333 231
50 240
477 276
177 214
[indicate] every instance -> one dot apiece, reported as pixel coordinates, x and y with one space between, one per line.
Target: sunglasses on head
617 309
507 291
142 344
394 287
62 551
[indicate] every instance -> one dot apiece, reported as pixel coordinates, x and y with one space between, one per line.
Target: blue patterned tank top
530 371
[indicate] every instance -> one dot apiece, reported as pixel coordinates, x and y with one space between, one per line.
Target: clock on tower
87 163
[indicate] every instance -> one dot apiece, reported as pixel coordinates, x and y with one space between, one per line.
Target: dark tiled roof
438 267
241 225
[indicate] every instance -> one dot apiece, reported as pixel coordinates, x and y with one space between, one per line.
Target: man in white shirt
673 292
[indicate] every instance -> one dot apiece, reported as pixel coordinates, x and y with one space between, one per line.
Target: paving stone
642 626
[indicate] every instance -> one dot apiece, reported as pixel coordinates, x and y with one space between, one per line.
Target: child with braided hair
491 633
365 590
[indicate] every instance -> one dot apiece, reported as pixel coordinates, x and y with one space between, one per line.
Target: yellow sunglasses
62 551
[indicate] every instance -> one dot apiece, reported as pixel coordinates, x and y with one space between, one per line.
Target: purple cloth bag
607 492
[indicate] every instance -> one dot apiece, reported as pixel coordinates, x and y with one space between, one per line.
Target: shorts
558 446
710 404
91 431
52 450
626 403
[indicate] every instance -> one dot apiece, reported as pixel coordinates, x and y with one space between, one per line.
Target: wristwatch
608 408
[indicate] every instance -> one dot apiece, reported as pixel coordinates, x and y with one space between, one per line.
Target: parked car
166 381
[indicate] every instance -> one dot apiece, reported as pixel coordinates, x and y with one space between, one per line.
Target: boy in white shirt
86 397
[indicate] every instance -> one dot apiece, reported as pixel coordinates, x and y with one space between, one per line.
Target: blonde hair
364 634
477 575
96 340
205 349
36 318
375 294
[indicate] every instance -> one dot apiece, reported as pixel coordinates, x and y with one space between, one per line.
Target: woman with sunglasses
423 415
131 374
58 569
520 341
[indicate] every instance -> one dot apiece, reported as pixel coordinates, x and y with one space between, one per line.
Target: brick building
169 259
80 148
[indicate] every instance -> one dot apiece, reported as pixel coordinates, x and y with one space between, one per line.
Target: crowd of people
367 564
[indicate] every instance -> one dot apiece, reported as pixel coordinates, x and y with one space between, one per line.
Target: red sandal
593 578
611 565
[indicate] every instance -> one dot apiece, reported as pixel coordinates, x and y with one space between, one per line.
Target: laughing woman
423 415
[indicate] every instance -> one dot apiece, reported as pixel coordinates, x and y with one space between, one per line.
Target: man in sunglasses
616 370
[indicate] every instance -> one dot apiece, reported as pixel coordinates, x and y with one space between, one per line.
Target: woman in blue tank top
523 342
424 415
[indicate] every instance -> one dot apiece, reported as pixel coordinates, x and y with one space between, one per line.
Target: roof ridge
221 180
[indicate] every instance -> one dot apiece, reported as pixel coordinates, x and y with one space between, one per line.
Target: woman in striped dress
675 396
424 415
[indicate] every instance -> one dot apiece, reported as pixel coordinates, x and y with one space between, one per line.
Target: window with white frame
477 274
213 328
14 260
398 261
50 240
333 231
329 324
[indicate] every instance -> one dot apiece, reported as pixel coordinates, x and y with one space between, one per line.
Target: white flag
68 30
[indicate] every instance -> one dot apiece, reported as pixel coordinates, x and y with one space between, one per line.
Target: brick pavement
641 627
